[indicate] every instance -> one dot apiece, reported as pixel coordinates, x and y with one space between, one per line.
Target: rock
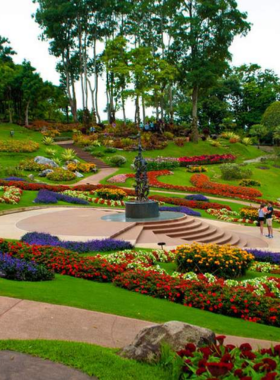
45 172
147 344
45 161
79 175
31 177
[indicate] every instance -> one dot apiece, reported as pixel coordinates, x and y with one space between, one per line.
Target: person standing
261 217
269 220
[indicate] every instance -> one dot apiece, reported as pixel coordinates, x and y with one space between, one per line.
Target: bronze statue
142 188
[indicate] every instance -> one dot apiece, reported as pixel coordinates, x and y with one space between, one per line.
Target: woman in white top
261 217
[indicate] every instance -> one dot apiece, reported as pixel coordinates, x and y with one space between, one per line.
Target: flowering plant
114 194
11 194
81 167
18 146
60 174
186 203
196 169
207 159
223 261
230 216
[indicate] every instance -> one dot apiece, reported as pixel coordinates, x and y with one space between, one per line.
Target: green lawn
107 298
93 360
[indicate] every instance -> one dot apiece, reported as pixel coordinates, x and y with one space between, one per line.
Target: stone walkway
98 177
16 366
23 319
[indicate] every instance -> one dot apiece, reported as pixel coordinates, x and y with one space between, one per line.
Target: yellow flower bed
222 261
249 213
114 194
18 146
81 167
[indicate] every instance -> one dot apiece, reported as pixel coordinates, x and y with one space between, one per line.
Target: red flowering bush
187 203
207 159
202 294
220 361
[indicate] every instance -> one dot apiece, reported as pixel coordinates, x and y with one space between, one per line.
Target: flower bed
11 195
265 256
108 202
32 166
60 174
197 197
219 361
182 209
112 194
265 267
207 159
230 216
196 169
16 269
120 178
186 203
18 146
103 245
81 167
50 197
223 261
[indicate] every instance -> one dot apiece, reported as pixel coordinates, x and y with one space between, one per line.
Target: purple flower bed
265 256
182 209
104 245
15 179
12 268
197 197
50 197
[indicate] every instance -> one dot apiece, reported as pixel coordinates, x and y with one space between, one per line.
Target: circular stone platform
163 216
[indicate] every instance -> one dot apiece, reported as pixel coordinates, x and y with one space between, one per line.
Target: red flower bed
215 297
64 262
219 361
207 159
201 181
191 204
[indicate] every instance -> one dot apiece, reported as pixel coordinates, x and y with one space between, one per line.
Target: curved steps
185 230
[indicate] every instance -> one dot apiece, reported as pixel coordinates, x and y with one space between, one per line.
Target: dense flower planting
113 194
108 202
217 297
32 166
18 146
182 209
265 256
60 174
197 197
81 167
230 216
196 169
219 361
11 194
223 261
265 267
50 197
201 181
16 269
120 178
190 204
14 179
103 245
207 159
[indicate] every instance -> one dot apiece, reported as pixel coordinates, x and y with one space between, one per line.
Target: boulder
147 344
31 177
45 161
45 172
79 175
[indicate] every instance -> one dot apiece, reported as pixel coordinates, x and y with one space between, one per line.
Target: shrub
69 155
249 182
110 149
196 169
161 165
16 269
48 141
50 152
231 136
51 133
32 166
114 194
249 213
168 135
197 197
179 141
60 174
81 167
223 261
117 160
18 146
234 171
215 143
247 141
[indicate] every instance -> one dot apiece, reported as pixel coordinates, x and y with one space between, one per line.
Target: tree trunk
96 82
143 109
123 109
194 135
26 114
10 114
171 109
92 91
137 111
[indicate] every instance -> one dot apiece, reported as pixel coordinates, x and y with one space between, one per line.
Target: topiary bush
60 174
249 182
117 160
235 171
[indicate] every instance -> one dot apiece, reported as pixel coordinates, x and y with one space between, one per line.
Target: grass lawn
107 298
93 360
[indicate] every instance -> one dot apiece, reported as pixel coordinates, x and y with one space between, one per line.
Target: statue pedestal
141 210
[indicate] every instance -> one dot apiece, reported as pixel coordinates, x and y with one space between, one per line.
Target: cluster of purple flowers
50 197
197 197
182 209
265 256
12 268
36 238
15 179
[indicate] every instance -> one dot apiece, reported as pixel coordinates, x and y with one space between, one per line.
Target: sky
260 46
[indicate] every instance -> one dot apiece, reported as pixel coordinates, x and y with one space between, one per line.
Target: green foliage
235 171
117 160
259 131
271 117
68 155
48 141
247 141
249 183
60 174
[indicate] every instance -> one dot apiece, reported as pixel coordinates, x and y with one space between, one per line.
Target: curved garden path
23 319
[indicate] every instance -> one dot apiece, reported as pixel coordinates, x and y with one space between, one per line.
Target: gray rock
45 172
31 176
45 161
147 344
79 175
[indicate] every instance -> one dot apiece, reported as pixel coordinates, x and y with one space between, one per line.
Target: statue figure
142 188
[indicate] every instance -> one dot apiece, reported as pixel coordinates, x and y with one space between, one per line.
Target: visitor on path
261 218
269 219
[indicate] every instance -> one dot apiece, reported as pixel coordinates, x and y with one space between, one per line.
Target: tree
271 117
259 131
202 34
276 133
